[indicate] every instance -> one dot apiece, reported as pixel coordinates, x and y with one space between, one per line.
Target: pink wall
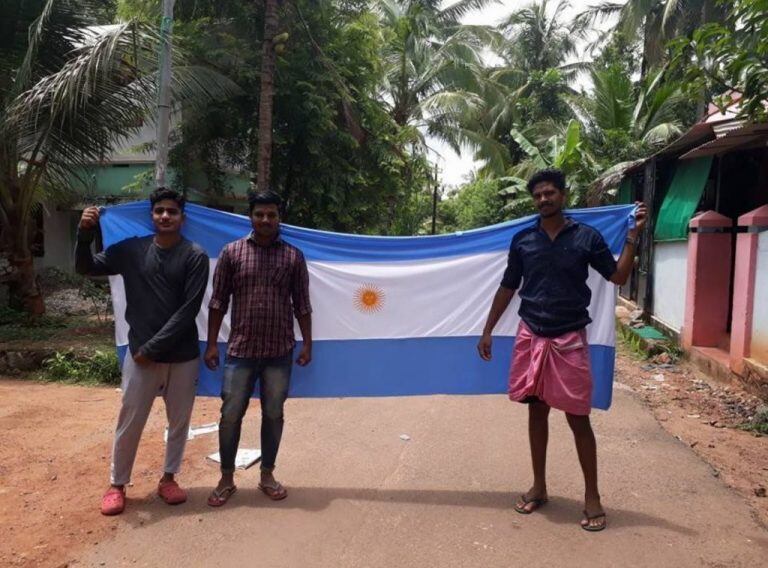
707 289
744 287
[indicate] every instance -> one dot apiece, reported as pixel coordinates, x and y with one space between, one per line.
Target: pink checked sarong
553 369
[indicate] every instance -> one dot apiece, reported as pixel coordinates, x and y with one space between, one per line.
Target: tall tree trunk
20 277
25 294
264 163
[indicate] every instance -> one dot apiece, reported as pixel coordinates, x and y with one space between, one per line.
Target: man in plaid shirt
268 281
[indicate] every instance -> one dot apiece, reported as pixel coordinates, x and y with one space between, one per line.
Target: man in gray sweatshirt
165 276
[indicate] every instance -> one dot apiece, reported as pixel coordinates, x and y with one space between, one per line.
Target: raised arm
627 259
89 264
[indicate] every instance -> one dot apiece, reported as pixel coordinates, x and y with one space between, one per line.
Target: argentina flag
393 316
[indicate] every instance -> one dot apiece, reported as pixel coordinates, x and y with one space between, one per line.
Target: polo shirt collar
570 224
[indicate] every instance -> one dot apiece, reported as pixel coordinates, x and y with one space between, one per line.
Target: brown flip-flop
275 492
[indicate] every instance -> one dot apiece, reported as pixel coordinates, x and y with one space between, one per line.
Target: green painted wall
135 181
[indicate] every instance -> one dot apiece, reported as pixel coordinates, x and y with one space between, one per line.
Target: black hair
268 197
166 193
553 175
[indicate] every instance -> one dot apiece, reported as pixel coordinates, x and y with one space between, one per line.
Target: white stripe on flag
445 297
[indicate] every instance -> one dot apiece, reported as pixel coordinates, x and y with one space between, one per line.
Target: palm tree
537 51
68 93
647 113
267 78
656 22
626 122
566 150
538 38
432 64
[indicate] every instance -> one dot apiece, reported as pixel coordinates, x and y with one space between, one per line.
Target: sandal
171 493
537 504
275 492
113 502
593 528
220 496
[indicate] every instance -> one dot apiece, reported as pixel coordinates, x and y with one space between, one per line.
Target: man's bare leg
225 481
538 436
586 448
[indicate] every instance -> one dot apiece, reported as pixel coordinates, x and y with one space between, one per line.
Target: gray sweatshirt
163 287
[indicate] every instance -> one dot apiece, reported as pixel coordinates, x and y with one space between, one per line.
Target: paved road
362 497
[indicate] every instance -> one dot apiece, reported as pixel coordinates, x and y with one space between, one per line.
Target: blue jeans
240 376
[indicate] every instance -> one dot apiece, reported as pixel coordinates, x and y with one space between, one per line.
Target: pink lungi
554 370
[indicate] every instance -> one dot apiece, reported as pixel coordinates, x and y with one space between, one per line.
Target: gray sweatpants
177 383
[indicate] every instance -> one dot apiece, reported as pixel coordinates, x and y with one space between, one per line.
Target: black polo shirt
555 296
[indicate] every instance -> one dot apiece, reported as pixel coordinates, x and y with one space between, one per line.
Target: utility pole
434 201
164 95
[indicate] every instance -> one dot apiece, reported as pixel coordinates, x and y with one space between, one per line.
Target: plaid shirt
267 283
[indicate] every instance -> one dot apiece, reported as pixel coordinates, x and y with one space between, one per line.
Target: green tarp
682 198
624 195
648 332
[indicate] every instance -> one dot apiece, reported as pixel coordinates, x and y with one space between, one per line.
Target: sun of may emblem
369 298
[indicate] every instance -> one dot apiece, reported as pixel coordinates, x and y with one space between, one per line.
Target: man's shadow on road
559 510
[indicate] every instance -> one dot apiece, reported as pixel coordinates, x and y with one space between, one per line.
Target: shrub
101 367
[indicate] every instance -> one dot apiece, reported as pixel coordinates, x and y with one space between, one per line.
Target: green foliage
651 24
359 85
619 51
758 423
730 56
69 92
19 326
100 367
97 293
627 120
476 204
9 316
566 150
339 159
631 341
644 349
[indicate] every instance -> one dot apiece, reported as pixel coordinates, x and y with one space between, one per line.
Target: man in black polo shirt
550 365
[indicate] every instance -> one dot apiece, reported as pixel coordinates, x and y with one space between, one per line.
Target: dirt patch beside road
54 467
705 414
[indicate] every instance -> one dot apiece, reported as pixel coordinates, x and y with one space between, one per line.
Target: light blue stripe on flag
212 229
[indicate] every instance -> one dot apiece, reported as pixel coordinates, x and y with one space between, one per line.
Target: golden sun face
369 298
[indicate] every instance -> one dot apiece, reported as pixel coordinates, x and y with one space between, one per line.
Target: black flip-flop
537 504
590 528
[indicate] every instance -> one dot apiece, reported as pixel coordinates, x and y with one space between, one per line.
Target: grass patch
20 326
15 325
643 349
759 422
98 368
631 342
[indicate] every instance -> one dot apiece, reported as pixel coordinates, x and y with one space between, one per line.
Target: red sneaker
113 502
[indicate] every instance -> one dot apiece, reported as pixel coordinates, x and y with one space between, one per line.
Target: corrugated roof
738 138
